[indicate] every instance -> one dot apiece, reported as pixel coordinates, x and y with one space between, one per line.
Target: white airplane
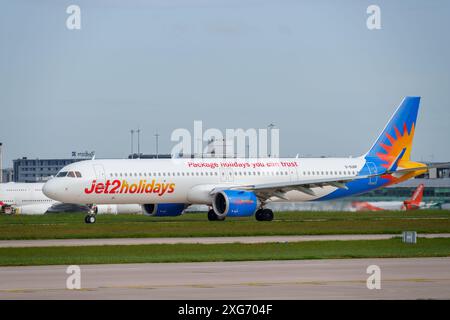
241 187
23 198
28 198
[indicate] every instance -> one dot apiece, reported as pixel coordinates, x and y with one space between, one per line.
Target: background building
8 175
39 170
149 156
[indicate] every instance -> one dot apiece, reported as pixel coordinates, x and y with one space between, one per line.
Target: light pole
139 142
156 138
270 127
132 134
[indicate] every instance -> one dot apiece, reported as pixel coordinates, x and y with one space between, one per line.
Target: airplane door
372 170
293 174
99 172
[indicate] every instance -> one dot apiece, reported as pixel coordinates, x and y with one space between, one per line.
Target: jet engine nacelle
235 203
164 209
33 209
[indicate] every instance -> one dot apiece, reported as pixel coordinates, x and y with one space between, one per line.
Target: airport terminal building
39 170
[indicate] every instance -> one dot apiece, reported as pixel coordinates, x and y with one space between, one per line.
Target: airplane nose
50 189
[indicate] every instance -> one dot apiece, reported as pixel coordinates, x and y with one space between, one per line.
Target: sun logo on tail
395 144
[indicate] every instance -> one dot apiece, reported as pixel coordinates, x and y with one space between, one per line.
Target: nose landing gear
91 217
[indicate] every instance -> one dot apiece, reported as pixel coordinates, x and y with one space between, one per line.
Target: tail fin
417 195
395 141
416 199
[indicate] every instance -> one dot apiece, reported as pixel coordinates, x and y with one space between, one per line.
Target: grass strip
72 226
392 248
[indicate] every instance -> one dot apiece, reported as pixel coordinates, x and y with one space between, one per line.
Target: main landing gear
264 215
260 215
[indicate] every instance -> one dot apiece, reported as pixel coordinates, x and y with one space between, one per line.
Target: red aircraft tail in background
416 199
411 204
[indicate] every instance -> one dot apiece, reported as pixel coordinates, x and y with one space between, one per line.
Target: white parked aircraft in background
28 198
24 198
241 187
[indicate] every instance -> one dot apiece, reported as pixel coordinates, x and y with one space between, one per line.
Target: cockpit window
78 174
62 174
71 174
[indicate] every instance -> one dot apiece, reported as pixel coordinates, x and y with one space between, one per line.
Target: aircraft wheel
264 215
90 218
259 215
268 215
212 216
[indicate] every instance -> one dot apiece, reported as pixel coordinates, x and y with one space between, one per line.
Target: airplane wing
279 189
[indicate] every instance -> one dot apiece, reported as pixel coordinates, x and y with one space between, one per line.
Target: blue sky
311 67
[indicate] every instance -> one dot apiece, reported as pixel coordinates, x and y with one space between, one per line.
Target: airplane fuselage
26 198
190 181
